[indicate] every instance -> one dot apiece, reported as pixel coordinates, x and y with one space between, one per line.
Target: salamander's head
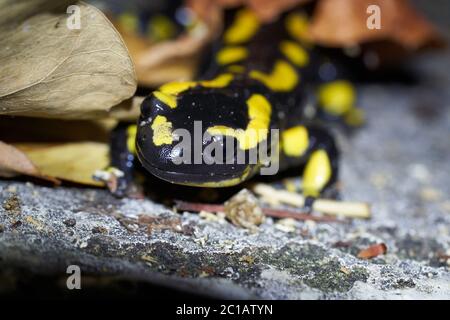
198 136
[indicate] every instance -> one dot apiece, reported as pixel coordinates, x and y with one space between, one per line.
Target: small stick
326 206
269 212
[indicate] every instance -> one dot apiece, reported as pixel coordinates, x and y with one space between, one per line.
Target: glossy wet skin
211 107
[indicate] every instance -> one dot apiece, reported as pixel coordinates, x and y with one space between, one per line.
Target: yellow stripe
244 27
295 141
259 111
220 81
177 86
317 173
168 99
131 138
295 53
167 93
229 55
283 77
224 183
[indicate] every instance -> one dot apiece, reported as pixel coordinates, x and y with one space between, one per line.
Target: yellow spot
337 97
168 99
282 78
317 173
244 27
297 25
220 81
161 28
295 53
174 88
295 141
229 55
131 138
259 111
236 68
162 131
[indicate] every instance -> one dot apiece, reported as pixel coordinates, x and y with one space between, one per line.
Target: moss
313 265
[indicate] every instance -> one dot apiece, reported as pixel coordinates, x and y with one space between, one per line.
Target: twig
330 207
269 212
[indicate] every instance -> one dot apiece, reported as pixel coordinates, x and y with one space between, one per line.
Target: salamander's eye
151 106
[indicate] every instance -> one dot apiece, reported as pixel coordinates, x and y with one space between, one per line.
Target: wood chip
372 251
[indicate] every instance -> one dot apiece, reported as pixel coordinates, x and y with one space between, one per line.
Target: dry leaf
128 110
372 251
243 210
51 71
13 162
341 23
162 62
74 162
174 59
13 12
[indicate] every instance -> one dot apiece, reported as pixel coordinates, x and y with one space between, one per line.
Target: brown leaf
13 12
74 162
174 59
372 251
341 23
49 70
13 162
243 210
128 110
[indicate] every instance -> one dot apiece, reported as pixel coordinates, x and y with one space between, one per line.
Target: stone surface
399 163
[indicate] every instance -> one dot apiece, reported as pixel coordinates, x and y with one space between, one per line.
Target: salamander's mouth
198 178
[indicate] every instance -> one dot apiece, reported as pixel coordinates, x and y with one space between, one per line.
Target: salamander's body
261 79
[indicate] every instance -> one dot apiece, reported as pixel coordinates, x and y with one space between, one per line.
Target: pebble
70 222
430 194
419 172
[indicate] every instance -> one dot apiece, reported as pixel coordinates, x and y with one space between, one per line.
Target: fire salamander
261 78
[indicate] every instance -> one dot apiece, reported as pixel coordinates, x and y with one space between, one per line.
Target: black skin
225 106
122 159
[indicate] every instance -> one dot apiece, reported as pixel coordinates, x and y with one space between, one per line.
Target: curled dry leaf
13 162
49 70
400 23
243 210
373 251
